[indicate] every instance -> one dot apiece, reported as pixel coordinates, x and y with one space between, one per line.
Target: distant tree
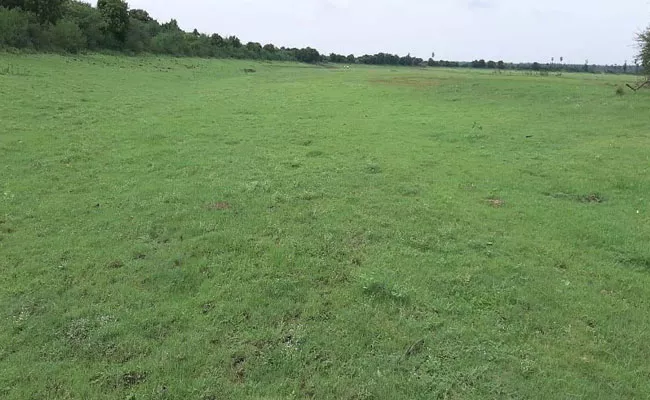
406 60
479 64
491 64
233 41
216 40
351 59
337 58
140 15
270 48
116 16
308 55
586 67
501 65
254 47
643 40
171 26
536 66
431 62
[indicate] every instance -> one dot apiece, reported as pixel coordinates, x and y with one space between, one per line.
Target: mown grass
178 228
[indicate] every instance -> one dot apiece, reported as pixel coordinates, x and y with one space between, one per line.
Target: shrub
170 43
14 28
66 35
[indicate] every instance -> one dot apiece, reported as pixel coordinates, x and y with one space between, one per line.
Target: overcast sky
513 30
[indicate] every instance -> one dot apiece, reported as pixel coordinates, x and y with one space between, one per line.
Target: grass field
180 229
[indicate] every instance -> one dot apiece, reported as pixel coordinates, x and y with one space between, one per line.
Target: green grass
180 229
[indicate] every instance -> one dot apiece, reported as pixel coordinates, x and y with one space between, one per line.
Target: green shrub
66 35
170 43
14 28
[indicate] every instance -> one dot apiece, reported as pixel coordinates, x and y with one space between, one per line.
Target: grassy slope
174 228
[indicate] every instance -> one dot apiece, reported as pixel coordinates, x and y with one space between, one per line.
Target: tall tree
140 15
254 47
45 10
90 20
116 16
233 41
216 40
644 50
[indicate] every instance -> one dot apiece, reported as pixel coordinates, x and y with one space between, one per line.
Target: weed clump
382 291
373 168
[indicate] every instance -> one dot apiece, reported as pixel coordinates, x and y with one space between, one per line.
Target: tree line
75 26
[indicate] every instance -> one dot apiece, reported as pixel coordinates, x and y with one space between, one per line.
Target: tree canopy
46 11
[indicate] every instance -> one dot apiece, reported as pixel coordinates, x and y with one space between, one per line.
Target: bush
66 35
14 28
620 91
170 43
137 37
90 22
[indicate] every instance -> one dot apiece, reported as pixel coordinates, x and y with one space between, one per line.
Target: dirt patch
115 264
221 205
635 261
414 349
596 198
408 81
373 168
592 198
207 307
496 203
237 365
133 378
